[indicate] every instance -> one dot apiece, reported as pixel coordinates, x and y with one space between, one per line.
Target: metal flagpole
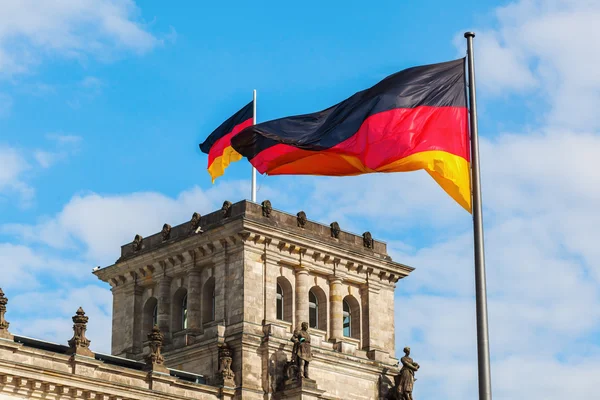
253 169
483 348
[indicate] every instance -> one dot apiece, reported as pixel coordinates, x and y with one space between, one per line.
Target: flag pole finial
469 34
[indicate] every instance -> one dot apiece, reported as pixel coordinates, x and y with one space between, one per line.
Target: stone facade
228 289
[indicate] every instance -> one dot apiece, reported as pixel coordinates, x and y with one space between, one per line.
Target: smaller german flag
218 144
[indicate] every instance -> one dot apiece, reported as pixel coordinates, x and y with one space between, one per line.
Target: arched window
347 320
283 299
184 316
351 315
179 310
149 318
208 301
317 308
313 310
279 302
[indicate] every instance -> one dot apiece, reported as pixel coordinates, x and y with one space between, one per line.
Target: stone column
301 296
164 305
336 307
194 301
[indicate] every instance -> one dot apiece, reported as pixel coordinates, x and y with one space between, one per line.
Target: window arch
351 315
179 310
317 309
208 301
283 300
149 317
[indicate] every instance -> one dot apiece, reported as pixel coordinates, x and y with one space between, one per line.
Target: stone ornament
195 223
367 240
79 344
3 322
166 232
155 360
266 208
226 209
301 219
335 230
227 377
406 378
137 243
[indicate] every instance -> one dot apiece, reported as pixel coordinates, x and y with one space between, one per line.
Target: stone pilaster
138 315
164 305
270 277
4 333
194 301
122 322
302 314
336 308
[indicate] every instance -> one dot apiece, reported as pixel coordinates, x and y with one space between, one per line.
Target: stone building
225 292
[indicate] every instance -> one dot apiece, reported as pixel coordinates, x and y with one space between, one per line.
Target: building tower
228 289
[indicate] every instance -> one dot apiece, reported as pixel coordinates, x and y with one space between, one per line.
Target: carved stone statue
226 209
302 352
335 230
166 232
406 378
301 219
195 223
79 344
3 322
266 208
368 240
137 243
155 360
226 373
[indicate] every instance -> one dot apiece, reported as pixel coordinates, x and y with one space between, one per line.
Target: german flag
414 119
218 144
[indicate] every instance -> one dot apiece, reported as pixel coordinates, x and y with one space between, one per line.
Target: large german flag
218 144
414 119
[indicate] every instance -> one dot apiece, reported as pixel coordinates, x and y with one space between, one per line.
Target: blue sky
103 104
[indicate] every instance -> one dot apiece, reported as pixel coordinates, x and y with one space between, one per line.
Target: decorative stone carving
367 240
227 377
226 209
79 344
405 380
335 230
154 360
4 333
302 352
301 219
137 243
166 232
195 223
266 208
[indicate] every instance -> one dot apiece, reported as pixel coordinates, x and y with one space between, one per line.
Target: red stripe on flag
217 149
383 138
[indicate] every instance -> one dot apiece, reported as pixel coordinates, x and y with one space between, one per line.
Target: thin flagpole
483 347
253 169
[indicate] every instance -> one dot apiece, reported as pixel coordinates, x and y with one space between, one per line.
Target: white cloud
98 225
31 30
549 45
13 167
